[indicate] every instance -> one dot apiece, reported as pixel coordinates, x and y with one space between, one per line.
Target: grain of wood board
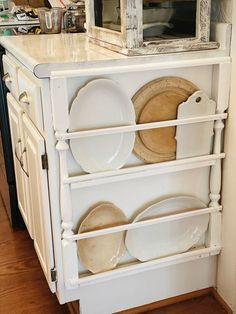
23 287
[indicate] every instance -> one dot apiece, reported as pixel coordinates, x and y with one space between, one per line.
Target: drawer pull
16 151
24 98
22 164
7 78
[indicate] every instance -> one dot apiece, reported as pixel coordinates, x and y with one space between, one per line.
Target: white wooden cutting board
195 139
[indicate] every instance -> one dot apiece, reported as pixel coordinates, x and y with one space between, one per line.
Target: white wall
226 281
222 10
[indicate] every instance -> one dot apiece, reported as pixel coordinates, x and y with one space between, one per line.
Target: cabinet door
39 198
15 116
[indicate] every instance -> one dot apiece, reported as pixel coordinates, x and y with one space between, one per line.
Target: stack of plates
158 101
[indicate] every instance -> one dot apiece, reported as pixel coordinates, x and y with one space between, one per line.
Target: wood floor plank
23 287
202 305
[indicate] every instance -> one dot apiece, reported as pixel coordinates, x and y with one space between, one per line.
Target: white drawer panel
10 75
30 98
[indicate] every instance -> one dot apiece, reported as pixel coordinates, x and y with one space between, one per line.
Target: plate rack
72 277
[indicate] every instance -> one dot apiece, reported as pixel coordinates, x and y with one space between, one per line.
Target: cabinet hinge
53 274
44 159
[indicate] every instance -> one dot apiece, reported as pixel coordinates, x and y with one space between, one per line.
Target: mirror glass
107 14
169 19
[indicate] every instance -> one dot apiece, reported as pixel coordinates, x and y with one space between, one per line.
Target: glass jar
74 18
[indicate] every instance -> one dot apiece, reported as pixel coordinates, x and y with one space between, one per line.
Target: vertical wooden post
132 26
61 124
203 19
221 73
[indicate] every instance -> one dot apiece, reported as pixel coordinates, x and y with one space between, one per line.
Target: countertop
46 54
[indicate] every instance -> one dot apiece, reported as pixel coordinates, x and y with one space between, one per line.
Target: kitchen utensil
50 20
167 238
158 101
101 103
102 253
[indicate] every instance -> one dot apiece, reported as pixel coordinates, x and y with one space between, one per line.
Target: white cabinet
62 195
18 148
39 199
30 163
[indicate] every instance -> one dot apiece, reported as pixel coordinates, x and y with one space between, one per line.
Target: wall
226 281
222 10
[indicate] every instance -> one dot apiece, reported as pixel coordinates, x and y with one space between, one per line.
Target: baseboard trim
73 307
165 302
220 300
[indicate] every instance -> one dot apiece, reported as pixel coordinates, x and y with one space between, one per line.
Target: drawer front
10 75
30 98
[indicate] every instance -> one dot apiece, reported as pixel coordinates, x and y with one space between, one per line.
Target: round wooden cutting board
158 101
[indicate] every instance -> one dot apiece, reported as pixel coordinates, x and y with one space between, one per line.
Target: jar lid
74 6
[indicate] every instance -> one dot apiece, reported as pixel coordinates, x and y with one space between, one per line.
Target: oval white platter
100 104
102 253
167 238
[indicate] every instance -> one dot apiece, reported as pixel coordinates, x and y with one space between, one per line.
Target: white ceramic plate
102 103
170 237
102 253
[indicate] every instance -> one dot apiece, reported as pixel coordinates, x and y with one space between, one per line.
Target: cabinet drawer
10 75
30 98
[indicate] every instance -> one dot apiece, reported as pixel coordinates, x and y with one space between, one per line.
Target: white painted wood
145 286
221 86
132 26
203 20
10 68
39 198
18 147
70 269
65 197
214 233
153 264
59 98
140 224
142 126
53 185
32 102
142 66
141 171
69 249
130 40
195 140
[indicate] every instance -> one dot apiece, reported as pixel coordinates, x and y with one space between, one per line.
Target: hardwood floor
202 305
23 288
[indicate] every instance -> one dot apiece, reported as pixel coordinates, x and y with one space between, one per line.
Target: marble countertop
45 54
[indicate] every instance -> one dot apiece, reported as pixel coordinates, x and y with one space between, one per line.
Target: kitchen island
44 74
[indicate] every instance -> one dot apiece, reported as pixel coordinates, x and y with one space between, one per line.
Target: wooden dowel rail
130 172
145 223
138 127
130 269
